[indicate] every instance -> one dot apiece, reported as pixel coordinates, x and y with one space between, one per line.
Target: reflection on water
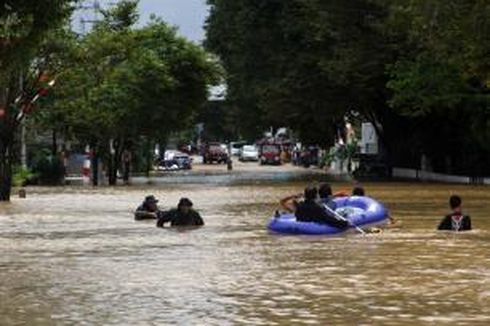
75 256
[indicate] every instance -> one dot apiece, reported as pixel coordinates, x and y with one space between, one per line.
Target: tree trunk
112 166
112 170
149 157
54 143
124 159
95 168
114 161
127 171
5 170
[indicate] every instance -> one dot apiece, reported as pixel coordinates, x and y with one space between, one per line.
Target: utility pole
94 6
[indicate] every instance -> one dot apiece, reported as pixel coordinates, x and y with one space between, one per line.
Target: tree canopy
122 83
23 27
403 65
115 86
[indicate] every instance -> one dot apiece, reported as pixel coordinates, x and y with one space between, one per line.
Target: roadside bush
22 176
49 169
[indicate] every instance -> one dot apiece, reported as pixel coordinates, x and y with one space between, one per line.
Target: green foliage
129 82
122 16
441 83
49 169
21 176
425 85
120 83
450 67
405 65
23 25
302 64
328 157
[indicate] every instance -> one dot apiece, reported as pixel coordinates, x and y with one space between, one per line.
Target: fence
413 174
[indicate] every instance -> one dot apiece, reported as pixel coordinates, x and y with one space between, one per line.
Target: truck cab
270 154
214 152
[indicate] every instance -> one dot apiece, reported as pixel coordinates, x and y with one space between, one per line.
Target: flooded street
75 256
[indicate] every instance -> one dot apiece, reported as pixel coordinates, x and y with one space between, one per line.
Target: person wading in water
184 215
456 221
148 210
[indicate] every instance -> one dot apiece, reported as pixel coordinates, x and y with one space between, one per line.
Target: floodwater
74 256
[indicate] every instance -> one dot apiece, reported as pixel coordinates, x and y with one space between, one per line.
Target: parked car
309 156
249 153
236 147
175 160
214 152
270 154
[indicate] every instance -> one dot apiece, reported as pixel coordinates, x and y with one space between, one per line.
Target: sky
188 15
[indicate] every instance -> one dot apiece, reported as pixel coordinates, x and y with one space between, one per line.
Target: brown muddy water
75 256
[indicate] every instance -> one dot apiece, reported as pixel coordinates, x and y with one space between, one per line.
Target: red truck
270 154
214 152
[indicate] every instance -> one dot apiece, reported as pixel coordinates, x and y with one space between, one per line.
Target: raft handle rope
338 216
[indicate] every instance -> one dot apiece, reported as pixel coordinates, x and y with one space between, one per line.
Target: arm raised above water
290 203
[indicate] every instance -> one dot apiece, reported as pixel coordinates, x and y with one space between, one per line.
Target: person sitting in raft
456 221
358 191
184 215
290 203
310 211
326 196
148 210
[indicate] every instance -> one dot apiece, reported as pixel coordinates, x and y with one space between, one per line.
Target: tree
443 80
124 84
404 65
303 64
23 26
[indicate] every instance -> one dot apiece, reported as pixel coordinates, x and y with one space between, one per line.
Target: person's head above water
151 202
310 193
185 204
455 202
151 199
358 191
325 191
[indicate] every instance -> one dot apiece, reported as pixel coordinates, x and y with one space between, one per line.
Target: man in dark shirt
148 210
456 221
184 215
310 211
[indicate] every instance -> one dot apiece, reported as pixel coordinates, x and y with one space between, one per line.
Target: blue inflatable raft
360 211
